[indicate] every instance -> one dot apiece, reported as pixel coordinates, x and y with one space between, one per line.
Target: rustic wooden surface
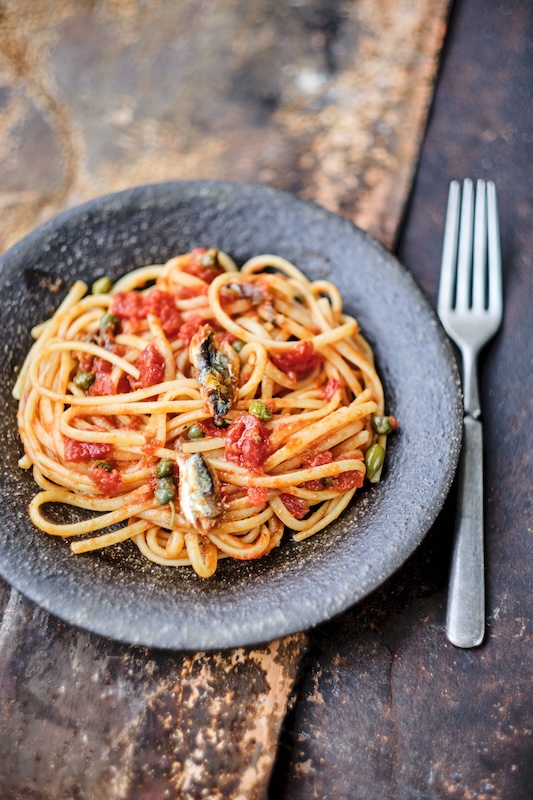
329 100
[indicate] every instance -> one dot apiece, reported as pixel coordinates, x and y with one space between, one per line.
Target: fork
470 307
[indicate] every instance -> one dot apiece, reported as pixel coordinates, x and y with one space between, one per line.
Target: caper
195 432
327 481
84 380
259 409
166 491
104 465
237 345
381 425
165 468
374 458
102 285
164 496
109 321
221 423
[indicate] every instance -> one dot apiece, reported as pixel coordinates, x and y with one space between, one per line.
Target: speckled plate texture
119 594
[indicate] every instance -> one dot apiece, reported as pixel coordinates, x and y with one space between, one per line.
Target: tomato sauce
109 483
187 292
103 385
311 459
295 505
332 386
85 451
189 328
257 495
352 479
299 361
128 305
101 366
85 361
151 366
317 459
247 443
134 307
210 429
348 480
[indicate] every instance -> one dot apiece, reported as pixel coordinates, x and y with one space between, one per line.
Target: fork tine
495 259
449 250
464 261
479 278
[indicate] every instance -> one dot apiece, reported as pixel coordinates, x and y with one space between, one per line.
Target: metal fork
470 307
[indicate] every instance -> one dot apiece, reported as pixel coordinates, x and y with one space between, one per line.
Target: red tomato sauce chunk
295 505
352 479
299 361
247 443
85 451
189 328
135 306
257 495
330 388
151 366
109 483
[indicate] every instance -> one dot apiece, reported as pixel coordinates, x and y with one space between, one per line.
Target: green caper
374 458
104 465
237 345
382 425
165 468
84 380
166 491
164 496
259 409
195 432
327 481
109 321
102 285
221 423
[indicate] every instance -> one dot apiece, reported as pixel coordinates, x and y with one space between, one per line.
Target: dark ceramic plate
116 592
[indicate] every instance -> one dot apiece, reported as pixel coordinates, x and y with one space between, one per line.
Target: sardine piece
199 492
253 292
217 371
260 296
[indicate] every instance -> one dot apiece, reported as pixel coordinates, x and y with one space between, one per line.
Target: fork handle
472 403
465 624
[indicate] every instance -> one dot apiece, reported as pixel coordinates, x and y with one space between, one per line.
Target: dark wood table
376 703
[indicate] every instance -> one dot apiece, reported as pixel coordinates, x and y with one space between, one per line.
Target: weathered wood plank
85 717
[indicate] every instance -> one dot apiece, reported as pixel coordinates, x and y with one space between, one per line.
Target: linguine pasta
200 410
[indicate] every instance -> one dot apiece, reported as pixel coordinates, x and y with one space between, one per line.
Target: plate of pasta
230 415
